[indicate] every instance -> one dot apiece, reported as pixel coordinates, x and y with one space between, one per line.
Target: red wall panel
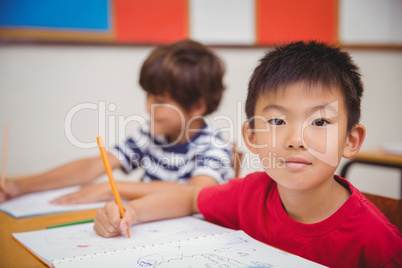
150 21
289 20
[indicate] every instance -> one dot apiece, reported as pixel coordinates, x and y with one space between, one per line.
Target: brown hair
186 71
313 63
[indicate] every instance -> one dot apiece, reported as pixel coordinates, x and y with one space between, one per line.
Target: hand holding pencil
108 169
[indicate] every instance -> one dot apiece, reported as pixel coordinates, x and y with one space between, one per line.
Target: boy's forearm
74 173
133 190
63 176
165 205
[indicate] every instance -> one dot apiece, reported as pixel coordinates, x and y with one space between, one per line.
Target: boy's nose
294 139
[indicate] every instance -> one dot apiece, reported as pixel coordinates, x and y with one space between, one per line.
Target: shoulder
255 182
208 144
251 180
368 225
230 204
364 210
138 137
207 137
376 226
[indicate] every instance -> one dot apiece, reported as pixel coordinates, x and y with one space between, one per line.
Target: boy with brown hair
183 82
303 110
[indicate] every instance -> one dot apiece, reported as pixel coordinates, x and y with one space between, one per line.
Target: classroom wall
41 85
216 22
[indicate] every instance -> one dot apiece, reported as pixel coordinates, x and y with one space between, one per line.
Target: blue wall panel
60 14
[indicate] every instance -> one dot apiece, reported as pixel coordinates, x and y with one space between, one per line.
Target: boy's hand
9 190
108 222
87 194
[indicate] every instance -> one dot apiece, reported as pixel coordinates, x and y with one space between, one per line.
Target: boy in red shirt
303 110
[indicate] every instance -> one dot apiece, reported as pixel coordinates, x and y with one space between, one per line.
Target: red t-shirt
357 235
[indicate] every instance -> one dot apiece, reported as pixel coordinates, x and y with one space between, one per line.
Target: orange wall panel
290 20
150 21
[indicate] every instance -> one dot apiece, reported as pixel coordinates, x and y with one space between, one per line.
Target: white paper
183 242
39 203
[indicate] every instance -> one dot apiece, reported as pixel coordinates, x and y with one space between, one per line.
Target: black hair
313 63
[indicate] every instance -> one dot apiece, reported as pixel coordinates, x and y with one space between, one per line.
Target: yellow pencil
108 169
4 161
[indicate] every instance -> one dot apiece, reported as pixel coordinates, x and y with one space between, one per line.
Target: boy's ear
249 137
354 141
199 108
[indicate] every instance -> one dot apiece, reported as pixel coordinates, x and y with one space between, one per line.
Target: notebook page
79 240
39 203
232 249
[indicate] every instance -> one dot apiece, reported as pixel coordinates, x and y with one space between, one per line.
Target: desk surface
12 254
379 157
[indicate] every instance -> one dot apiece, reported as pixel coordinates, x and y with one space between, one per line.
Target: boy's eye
320 122
276 122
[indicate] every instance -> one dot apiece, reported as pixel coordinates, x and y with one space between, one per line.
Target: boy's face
300 134
168 117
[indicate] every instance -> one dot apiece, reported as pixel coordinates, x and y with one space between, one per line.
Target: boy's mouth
296 163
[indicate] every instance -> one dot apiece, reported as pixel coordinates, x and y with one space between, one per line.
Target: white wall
370 22
40 84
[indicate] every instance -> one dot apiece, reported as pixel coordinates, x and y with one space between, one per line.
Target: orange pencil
4 160
108 169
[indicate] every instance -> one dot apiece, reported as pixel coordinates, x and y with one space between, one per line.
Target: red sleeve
220 203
